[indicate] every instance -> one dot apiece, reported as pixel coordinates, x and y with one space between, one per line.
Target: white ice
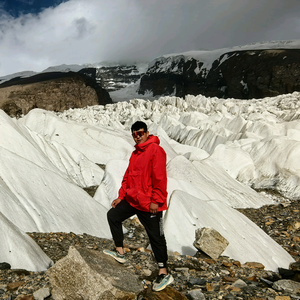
217 151
234 226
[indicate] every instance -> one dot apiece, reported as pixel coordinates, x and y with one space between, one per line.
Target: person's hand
153 208
116 202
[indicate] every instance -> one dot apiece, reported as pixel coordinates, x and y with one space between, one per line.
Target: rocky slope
243 74
116 77
55 91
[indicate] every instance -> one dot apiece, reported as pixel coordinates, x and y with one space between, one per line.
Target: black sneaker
162 281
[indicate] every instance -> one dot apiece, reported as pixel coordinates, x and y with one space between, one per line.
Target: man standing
144 193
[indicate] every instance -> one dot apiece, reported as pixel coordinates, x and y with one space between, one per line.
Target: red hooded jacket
145 179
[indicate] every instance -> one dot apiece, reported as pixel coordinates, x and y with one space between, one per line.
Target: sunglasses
139 133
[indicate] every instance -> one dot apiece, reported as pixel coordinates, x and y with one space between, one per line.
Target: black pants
152 223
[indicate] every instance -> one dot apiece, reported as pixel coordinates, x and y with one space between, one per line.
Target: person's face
140 136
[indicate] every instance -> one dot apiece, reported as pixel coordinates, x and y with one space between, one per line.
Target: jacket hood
151 139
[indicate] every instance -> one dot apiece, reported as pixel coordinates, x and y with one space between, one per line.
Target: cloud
79 31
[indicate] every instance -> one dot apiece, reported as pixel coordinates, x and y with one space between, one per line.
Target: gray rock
197 281
184 271
89 274
295 266
3 287
266 281
147 272
41 294
5 266
195 295
210 241
239 283
287 286
286 273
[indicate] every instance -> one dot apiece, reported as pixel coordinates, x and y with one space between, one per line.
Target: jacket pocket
134 178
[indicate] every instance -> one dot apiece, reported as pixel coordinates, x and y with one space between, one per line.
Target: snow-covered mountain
216 151
245 72
115 76
111 75
209 56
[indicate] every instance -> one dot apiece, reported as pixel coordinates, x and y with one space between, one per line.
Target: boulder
287 286
286 273
210 242
89 274
5 266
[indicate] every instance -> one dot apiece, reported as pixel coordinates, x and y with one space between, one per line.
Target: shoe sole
163 287
118 259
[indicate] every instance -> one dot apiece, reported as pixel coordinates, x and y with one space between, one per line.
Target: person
143 193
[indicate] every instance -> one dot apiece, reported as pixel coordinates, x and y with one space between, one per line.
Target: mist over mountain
251 71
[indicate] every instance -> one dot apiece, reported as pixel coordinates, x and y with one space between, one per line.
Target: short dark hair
139 125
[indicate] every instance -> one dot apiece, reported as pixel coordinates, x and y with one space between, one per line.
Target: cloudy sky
36 34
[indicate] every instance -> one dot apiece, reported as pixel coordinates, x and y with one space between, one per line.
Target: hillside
251 71
53 91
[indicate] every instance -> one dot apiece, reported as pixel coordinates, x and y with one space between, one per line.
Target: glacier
219 153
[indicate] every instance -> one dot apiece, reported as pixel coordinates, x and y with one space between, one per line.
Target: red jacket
145 179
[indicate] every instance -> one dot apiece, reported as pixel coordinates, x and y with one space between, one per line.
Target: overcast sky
36 34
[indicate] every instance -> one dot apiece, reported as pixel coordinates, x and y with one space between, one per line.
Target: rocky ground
198 277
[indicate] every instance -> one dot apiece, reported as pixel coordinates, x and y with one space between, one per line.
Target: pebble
239 284
196 295
41 294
